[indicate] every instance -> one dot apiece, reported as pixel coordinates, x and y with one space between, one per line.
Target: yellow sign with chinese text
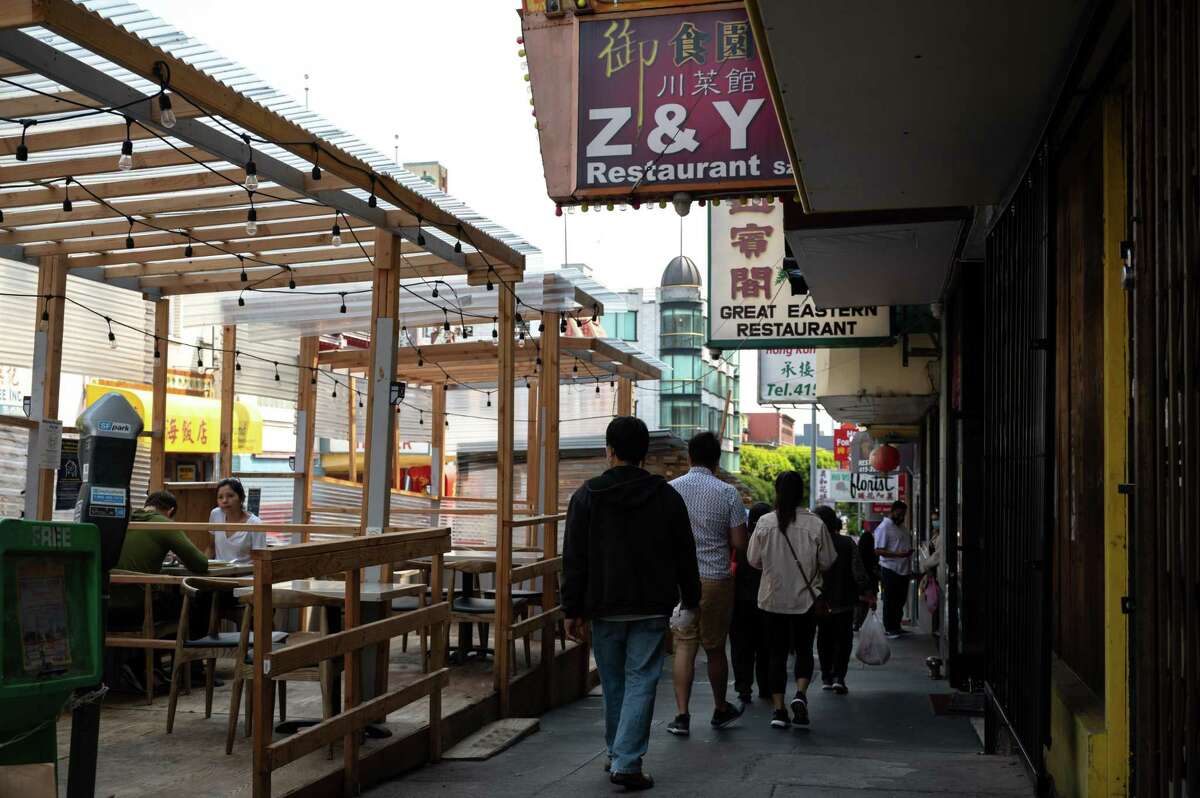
193 423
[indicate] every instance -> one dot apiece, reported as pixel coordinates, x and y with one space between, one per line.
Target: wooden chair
149 633
482 611
213 646
324 674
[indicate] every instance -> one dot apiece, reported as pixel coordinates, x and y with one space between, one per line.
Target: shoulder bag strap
796 559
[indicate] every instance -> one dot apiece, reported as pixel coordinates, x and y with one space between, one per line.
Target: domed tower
681 344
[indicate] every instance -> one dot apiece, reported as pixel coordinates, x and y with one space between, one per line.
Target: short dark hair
629 439
757 511
898 505
830 517
235 485
162 500
704 450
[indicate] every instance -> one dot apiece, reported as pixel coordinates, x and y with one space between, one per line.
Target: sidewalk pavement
880 740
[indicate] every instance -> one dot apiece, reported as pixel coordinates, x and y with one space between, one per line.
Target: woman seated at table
234 546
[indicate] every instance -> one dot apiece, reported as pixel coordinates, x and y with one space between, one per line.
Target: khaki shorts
716 613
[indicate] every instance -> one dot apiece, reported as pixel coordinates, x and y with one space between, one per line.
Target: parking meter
108 435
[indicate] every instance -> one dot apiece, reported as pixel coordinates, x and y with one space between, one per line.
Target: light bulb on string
420 234
342 309
445 321
276 372
252 221
243 277
187 250
489 400
199 358
335 389
521 339
458 242
241 301
166 114
421 417
597 385
316 170
46 309
495 334
312 380
251 175
129 234
291 280
125 162
562 323
371 201
335 236
112 338
66 206
237 364
157 354
435 290
22 148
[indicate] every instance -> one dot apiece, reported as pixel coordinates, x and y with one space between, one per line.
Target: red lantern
885 458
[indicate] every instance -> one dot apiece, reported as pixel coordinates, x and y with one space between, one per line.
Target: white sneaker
892 635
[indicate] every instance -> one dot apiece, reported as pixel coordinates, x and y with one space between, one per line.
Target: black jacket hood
625 486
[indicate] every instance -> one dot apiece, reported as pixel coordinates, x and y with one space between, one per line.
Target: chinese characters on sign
675 101
841 444
752 304
787 376
836 485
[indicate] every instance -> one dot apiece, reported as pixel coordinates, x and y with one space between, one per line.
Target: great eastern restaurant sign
751 302
671 102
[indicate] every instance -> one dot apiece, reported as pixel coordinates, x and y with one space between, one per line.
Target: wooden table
470 563
214 571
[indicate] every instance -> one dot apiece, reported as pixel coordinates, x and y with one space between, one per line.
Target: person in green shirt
144 552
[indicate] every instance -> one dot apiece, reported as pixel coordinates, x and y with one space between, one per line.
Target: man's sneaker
800 710
891 635
780 719
745 698
839 687
632 781
681 726
826 684
608 764
724 718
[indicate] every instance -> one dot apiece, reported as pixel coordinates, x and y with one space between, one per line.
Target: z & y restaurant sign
674 102
752 303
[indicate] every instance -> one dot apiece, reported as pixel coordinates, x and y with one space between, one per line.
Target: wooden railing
309 560
547 569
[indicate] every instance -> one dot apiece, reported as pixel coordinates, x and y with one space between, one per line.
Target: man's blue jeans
629 656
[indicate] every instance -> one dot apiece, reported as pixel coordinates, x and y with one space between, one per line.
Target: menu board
42 614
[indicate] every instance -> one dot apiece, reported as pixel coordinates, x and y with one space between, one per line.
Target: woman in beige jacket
792 547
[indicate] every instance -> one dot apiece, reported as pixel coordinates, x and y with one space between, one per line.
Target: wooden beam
256 246
345 272
533 448
352 401
504 493
158 401
228 378
227 262
624 396
113 239
41 105
548 412
40 139
100 164
52 280
306 419
111 189
437 439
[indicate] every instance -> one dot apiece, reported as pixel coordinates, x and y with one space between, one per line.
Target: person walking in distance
893 544
870 561
747 640
844 584
718 520
628 559
792 547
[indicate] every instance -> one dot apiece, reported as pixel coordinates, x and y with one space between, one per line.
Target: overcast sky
442 81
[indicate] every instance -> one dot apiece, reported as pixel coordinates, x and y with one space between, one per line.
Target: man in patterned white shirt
718 520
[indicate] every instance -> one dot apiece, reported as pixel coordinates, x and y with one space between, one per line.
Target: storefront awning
193 423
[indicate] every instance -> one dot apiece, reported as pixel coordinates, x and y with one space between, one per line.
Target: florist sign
752 302
675 102
836 485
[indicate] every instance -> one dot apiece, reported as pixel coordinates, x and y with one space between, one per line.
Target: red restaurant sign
674 102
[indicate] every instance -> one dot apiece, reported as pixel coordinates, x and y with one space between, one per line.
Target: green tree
760 467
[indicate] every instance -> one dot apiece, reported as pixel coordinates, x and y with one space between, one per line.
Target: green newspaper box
51 635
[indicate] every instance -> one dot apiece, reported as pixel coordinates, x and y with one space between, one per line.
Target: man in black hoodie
628 559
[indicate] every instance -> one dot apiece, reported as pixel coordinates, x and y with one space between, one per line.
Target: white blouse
235 546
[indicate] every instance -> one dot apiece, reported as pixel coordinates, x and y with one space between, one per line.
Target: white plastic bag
873 648
682 619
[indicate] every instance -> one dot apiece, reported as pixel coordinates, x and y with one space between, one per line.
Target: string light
67 196
199 358
421 417
157 354
46 309
313 379
129 234
112 337
445 321
276 371
291 280
489 400
495 333
458 242
187 251
316 170
237 364
241 301
244 277
251 181
252 220
342 309
562 323
335 236
22 149
335 389
420 234
371 201
125 162
166 114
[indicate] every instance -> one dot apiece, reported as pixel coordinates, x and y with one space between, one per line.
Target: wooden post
437 660
379 444
352 426
228 380
533 451
352 662
306 420
158 402
47 372
264 709
437 449
624 396
504 492
548 395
